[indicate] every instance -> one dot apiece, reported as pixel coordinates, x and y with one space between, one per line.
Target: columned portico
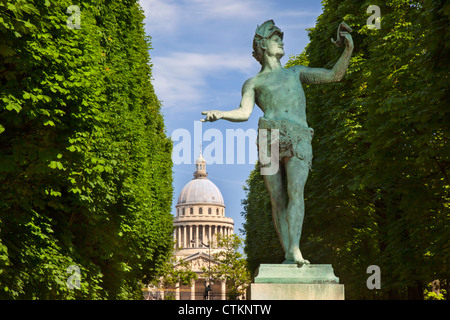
200 217
191 235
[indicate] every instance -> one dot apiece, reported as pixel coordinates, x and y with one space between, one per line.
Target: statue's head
263 33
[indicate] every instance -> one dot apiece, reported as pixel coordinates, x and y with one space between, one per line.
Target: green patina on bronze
278 92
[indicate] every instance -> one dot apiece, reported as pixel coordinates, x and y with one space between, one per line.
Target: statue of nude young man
279 94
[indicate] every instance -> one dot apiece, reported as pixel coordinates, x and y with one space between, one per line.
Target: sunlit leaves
379 189
85 165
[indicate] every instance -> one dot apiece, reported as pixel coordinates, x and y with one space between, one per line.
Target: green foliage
436 290
379 190
173 271
231 265
85 164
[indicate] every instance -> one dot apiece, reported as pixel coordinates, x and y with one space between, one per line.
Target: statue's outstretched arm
322 75
237 115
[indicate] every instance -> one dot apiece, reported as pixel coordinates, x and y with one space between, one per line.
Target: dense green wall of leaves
85 163
379 191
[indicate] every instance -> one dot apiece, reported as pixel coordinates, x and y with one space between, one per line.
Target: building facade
200 212
200 216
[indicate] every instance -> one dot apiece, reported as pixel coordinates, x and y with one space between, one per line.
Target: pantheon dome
200 211
200 189
200 217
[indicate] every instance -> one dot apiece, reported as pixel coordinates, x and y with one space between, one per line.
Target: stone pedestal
292 282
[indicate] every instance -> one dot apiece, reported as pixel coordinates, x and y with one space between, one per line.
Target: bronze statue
278 92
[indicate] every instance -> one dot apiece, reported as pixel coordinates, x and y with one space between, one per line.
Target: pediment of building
200 260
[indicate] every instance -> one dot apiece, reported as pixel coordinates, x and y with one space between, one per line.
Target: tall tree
173 274
85 165
378 193
230 266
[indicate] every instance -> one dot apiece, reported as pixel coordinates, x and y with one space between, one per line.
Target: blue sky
201 56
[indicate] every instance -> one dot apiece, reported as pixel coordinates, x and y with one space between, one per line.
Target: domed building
200 216
200 213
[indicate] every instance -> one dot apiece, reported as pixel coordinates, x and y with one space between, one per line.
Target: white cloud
196 42
169 16
181 78
224 9
297 19
163 16
299 13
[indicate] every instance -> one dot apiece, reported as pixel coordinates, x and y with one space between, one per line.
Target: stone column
196 236
184 236
178 236
174 237
224 291
177 291
209 235
204 234
193 290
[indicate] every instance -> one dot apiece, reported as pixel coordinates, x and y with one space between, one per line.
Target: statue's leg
297 171
276 187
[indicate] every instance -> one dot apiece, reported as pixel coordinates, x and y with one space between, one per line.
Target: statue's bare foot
289 262
298 258
302 262
294 256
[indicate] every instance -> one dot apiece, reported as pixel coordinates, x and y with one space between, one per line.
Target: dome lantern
200 189
200 167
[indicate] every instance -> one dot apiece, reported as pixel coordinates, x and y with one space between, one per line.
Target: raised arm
237 115
321 75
